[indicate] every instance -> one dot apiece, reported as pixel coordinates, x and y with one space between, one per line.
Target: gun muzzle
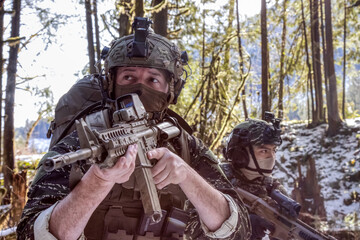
59 161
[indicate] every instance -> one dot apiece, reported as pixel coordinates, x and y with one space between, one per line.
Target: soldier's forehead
266 146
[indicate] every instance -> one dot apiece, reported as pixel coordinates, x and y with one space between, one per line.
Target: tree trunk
160 18
307 59
308 194
315 43
325 63
9 156
90 37
97 35
282 59
241 58
264 62
202 109
344 64
139 8
1 74
124 18
333 111
18 196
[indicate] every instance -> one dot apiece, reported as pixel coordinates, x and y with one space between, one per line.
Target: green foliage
27 165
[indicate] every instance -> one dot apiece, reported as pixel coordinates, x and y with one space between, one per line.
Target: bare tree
97 34
307 62
45 108
344 63
1 72
9 156
90 36
325 63
264 61
241 59
333 111
282 59
318 116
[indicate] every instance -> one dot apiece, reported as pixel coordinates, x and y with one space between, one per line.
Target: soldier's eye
155 80
128 77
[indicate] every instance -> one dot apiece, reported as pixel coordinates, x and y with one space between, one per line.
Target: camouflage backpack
82 98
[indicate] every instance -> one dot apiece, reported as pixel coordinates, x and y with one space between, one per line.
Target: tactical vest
121 215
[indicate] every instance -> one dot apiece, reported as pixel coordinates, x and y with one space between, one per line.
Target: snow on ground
336 159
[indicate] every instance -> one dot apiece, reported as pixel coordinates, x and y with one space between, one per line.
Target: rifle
103 145
287 226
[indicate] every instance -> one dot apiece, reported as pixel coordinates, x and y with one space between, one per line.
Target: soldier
104 204
250 152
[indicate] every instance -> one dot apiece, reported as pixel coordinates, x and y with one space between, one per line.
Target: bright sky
67 56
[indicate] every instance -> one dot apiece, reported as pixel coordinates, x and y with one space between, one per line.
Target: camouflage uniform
49 188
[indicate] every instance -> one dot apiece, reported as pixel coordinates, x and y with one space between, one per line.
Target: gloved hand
259 225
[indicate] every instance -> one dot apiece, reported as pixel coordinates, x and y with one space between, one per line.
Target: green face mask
154 101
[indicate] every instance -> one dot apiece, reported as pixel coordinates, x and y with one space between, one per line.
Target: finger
165 182
158 168
131 152
128 159
157 153
161 175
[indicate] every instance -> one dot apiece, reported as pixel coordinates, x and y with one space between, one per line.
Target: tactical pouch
175 223
120 222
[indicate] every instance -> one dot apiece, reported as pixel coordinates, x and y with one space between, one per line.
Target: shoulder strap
181 121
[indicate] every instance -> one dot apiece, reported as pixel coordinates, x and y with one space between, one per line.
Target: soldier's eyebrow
156 73
267 148
127 70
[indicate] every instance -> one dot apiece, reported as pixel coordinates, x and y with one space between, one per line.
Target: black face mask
154 101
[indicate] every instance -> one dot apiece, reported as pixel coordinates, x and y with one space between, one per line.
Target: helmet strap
257 169
172 89
104 93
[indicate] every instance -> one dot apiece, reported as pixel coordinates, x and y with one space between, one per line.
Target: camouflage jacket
49 187
259 186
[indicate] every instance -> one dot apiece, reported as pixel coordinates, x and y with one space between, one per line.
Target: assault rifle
104 145
287 226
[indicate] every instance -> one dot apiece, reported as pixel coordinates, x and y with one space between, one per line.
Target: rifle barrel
59 161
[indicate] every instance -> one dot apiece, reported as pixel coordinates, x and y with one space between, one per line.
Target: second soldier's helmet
144 48
248 133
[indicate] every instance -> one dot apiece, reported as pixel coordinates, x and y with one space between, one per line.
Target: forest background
298 59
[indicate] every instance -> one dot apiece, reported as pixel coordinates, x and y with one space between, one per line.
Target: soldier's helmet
144 48
249 133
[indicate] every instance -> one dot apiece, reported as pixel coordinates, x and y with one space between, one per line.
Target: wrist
188 177
96 176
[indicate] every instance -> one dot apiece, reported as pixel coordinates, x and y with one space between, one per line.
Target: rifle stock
104 147
286 227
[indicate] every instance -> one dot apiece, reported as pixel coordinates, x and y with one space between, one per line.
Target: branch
37 33
13 40
357 3
157 8
27 79
106 25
